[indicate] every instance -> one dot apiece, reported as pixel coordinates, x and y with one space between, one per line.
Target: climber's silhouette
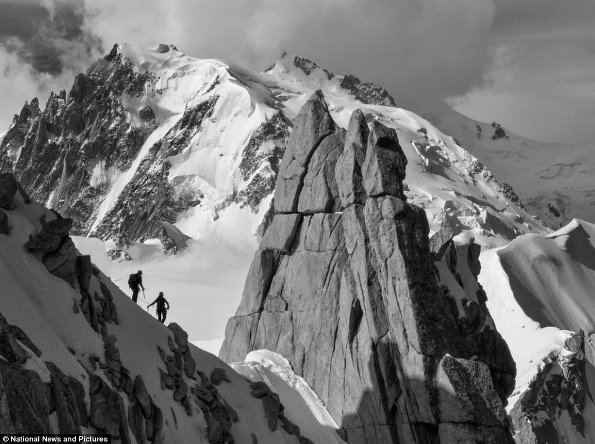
135 282
162 307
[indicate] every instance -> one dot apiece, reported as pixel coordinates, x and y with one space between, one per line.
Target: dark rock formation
68 400
107 409
4 229
198 390
51 236
62 262
560 388
8 190
24 404
367 92
352 300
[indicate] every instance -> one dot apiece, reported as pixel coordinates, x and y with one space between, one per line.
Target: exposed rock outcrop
8 190
346 289
192 388
559 389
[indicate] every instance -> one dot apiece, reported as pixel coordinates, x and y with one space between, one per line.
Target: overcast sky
529 64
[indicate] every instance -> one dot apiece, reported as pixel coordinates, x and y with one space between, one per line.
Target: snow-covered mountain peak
206 136
292 68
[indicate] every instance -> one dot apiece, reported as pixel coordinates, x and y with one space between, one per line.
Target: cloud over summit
493 53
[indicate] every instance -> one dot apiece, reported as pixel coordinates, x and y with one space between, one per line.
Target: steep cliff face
389 330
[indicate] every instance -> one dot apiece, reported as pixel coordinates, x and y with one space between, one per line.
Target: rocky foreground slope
78 356
388 327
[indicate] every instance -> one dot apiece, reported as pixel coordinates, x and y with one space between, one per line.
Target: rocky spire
345 286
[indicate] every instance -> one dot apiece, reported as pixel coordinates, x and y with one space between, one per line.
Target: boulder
112 360
167 381
10 349
22 337
51 236
272 409
154 424
181 390
62 262
69 401
136 421
24 403
106 407
142 395
8 190
84 271
3 223
180 336
189 364
218 375
466 393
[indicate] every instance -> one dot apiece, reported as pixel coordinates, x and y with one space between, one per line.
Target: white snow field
42 305
205 282
541 289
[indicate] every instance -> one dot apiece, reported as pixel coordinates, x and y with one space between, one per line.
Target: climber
162 307
135 282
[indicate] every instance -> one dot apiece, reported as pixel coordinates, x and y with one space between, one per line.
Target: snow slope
540 292
41 304
203 284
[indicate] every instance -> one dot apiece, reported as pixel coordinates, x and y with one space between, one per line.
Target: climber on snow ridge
162 307
135 282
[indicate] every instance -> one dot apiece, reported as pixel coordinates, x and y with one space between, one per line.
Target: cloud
488 54
43 44
541 83
414 48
